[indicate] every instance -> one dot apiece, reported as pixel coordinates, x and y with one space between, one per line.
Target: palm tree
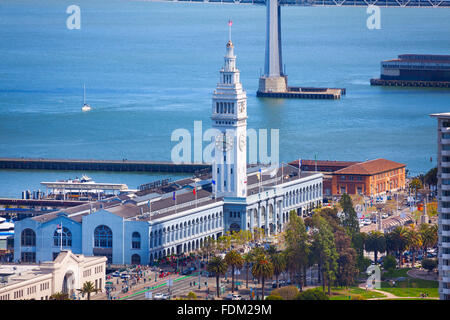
398 235
429 234
414 242
234 260
88 288
375 242
262 269
248 259
279 264
218 267
59 296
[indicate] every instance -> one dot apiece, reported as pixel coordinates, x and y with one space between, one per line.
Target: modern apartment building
443 175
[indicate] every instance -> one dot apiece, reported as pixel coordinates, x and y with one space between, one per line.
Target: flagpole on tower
230 23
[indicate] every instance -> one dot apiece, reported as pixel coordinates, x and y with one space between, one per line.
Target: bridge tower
273 79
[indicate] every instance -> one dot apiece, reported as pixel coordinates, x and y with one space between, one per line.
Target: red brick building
371 178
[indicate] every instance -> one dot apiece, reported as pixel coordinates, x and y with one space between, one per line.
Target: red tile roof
371 167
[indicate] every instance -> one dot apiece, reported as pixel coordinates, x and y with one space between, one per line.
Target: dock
305 93
410 83
101 165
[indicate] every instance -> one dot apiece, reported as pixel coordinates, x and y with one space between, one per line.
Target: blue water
150 68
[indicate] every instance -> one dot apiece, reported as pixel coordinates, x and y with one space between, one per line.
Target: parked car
158 296
186 272
236 297
384 216
165 296
274 284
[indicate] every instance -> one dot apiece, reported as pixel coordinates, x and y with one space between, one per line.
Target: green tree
375 243
274 297
234 260
431 177
349 219
297 246
218 267
88 288
414 242
389 263
279 264
262 269
325 248
415 185
287 293
248 259
191 296
59 296
429 264
398 239
347 261
312 294
429 235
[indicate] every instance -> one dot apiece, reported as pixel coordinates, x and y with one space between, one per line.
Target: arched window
102 237
135 258
136 240
65 235
28 238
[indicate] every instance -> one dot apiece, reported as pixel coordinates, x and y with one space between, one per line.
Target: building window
135 259
102 237
65 235
28 257
342 177
28 238
136 240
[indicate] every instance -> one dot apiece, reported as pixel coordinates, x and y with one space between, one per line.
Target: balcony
445 175
445 187
445 210
446 268
444 221
445 233
445 152
445 244
446 256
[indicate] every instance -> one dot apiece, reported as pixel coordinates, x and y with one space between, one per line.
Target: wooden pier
101 165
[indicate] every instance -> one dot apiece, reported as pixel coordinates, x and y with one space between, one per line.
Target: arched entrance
68 283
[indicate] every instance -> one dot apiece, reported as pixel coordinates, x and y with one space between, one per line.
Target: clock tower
229 118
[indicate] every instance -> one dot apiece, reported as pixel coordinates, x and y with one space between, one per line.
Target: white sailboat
85 107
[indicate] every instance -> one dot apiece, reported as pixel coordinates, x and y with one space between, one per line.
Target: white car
165 296
236 297
384 215
158 296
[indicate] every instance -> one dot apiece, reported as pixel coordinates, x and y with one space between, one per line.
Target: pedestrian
190 284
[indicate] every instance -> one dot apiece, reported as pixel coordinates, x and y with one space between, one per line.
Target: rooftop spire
230 23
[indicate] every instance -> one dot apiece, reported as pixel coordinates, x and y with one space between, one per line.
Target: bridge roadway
333 3
101 165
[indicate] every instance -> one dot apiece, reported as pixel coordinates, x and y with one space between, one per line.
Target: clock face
242 141
224 142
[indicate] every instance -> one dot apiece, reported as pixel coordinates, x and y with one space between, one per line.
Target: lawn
410 287
342 294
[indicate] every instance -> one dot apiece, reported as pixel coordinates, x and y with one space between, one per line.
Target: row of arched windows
186 229
225 107
301 195
102 238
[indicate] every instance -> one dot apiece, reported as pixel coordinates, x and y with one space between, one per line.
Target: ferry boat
6 229
83 188
415 70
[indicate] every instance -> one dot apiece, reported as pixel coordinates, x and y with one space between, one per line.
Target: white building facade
443 189
143 227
